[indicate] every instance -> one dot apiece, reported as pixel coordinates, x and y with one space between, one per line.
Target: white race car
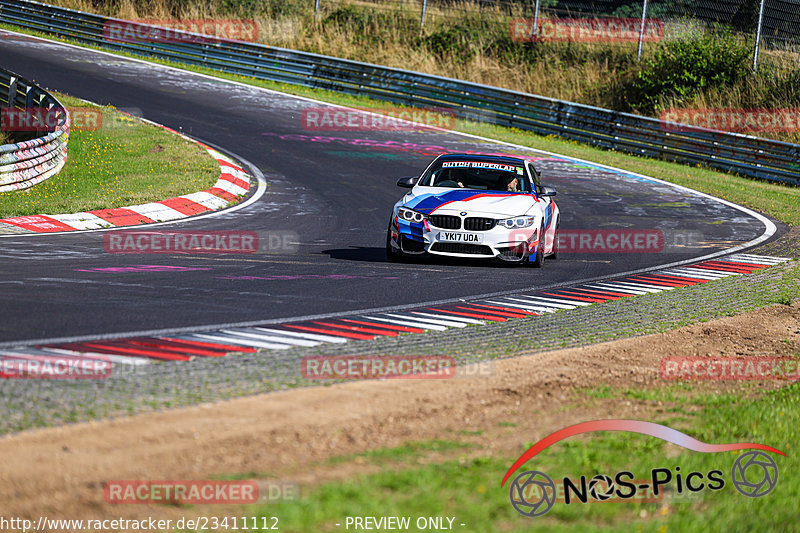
475 206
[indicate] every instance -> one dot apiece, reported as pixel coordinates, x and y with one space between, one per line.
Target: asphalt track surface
334 189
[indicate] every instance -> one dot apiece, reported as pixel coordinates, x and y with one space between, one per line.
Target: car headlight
516 222
409 215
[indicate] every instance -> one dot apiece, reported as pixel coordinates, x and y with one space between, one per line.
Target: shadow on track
378 255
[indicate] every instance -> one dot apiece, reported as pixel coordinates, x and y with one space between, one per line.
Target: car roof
507 159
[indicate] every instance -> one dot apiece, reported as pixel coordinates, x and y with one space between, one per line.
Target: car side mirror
546 190
408 182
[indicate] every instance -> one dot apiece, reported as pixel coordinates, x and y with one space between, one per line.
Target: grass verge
778 201
467 487
122 162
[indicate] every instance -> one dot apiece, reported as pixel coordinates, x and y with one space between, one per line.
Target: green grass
468 488
123 162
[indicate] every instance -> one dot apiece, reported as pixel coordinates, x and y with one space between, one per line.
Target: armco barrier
729 152
27 163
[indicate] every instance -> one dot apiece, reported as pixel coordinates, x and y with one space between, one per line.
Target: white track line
758 259
155 211
437 322
686 273
312 336
28 354
645 286
82 221
274 338
713 271
114 358
230 339
409 323
618 289
553 302
449 317
511 302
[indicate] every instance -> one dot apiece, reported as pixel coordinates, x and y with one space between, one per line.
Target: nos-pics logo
533 493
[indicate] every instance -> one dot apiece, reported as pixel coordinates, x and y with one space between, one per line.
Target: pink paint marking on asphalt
302 276
140 268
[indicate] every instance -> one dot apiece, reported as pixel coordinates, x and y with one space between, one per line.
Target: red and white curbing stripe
232 184
186 346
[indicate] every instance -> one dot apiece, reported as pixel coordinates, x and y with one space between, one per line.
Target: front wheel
554 254
391 254
538 260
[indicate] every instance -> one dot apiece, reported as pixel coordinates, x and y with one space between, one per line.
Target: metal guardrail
26 163
729 152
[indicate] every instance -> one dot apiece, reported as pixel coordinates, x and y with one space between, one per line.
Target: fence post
316 8
758 36
641 30
12 91
30 95
536 19
424 8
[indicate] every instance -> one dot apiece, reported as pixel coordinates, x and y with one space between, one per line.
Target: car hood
433 200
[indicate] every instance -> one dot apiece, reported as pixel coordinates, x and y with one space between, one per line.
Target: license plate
449 236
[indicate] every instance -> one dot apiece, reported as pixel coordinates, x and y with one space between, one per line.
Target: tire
538 261
391 255
554 255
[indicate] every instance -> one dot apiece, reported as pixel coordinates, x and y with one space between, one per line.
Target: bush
681 69
349 16
458 42
372 25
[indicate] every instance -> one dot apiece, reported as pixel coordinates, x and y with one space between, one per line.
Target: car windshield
481 175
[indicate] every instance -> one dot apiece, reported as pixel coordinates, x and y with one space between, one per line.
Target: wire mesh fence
606 21
774 24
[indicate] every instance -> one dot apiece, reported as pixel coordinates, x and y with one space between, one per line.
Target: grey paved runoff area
34 403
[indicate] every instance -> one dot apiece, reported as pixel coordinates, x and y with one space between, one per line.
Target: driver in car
458 176
512 184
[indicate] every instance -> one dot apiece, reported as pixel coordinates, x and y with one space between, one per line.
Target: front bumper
498 242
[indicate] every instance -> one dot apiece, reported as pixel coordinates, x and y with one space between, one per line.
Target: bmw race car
475 206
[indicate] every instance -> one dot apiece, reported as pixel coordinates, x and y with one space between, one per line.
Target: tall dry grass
401 49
